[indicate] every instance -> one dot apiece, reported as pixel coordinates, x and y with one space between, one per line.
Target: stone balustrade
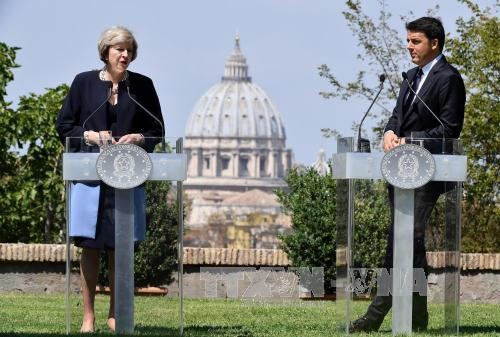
40 268
20 252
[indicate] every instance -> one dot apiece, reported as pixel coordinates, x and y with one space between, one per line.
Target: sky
183 46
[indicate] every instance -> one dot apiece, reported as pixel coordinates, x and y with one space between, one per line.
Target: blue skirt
93 227
105 225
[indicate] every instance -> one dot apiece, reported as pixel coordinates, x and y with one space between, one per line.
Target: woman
97 105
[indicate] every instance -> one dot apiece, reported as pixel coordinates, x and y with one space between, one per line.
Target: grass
43 315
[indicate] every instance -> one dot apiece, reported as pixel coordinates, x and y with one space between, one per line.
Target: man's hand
132 138
390 140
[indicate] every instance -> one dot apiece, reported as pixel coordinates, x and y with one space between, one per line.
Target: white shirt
426 70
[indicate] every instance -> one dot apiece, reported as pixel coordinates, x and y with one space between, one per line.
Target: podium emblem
408 166
123 166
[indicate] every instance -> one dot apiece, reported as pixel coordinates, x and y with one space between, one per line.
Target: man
441 87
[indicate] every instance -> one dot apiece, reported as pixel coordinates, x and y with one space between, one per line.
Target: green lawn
43 315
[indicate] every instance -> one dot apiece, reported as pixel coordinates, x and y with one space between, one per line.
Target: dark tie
411 95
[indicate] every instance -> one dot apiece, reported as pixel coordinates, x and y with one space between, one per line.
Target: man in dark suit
441 87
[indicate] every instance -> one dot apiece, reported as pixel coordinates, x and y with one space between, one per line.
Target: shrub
310 201
371 223
156 257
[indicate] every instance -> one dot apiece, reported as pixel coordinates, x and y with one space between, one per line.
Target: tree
32 192
8 141
41 191
476 53
33 206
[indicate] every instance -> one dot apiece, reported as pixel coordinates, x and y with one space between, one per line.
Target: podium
91 166
350 167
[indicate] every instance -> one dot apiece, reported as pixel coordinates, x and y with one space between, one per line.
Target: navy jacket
444 92
87 92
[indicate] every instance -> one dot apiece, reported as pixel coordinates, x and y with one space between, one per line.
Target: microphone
110 86
405 77
363 143
127 84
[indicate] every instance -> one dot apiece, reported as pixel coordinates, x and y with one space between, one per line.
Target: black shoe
420 324
364 324
420 314
419 328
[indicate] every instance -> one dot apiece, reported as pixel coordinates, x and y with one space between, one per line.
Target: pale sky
183 46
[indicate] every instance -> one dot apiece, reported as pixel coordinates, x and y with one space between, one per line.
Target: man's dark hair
431 27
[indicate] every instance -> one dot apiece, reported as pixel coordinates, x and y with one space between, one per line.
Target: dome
235 107
235 137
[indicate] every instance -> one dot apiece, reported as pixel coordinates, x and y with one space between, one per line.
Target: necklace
102 75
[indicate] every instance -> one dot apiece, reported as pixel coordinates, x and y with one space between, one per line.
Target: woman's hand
132 138
98 138
91 138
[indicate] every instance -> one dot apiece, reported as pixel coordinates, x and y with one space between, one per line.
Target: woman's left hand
132 138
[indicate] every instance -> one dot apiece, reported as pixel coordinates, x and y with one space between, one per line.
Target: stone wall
36 277
38 268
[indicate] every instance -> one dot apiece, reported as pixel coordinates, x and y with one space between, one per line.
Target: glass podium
215 277
121 167
360 187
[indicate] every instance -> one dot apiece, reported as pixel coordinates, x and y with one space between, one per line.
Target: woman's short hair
113 36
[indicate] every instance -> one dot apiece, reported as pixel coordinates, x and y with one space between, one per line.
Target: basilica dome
234 137
235 107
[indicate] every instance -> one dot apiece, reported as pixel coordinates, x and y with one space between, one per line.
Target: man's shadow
463 330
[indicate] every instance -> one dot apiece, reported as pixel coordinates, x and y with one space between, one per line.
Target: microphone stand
363 143
150 114
110 87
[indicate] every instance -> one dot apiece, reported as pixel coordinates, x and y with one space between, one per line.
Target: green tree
32 192
41 191
476 53
8 141
33 208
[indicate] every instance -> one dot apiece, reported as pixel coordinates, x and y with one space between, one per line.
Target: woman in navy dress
97 103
